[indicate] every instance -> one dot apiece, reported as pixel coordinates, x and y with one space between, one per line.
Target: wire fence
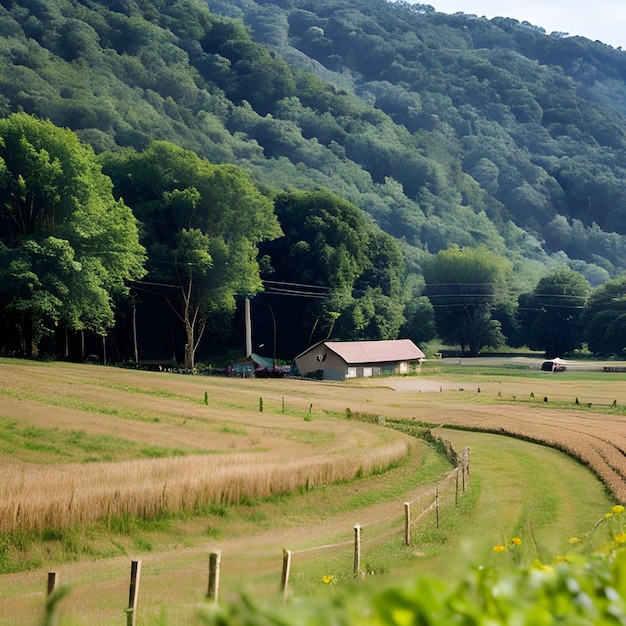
460 477
426 503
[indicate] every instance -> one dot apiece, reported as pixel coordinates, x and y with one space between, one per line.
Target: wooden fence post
357 550
215 558
407 524
52 582
133 594
284 581
463 476
437 508
456 488
466 467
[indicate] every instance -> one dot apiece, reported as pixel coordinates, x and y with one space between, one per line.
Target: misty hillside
445 129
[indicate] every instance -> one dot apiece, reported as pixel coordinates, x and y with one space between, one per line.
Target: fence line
215 560
423 496
52 582
328 545
433 489
133 593
215 556
423 513
463 465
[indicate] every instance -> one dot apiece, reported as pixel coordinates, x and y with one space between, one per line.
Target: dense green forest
341 163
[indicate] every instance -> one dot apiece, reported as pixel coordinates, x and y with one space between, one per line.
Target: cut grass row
37 498
509 496
57 477
178 543
175 548
33 444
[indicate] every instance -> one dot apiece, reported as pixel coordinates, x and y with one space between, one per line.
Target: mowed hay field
87 451
580 413
87 443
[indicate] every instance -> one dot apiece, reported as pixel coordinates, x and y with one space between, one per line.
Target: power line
297 290
278 282
155 284
294 292
297 294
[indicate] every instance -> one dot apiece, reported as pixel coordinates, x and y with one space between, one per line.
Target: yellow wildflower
621 538
617 509
574 540
516 541
499 548
544 568
328 579
402 616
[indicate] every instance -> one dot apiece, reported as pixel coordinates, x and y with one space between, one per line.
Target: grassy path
524 490
519 487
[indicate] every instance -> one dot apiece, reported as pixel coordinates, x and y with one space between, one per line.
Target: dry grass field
583 415
155 447
86 445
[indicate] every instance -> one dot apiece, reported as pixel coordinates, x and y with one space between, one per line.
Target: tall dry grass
36 498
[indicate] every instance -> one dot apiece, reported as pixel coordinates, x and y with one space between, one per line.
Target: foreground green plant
585 586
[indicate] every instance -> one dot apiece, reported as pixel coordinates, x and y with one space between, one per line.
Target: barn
338 360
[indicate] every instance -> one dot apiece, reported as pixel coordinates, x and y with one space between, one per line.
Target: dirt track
599 439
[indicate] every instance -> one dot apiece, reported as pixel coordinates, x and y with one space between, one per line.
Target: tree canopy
552 314
604 319
464 286
67 247
439 130
350 269
201 224
444 128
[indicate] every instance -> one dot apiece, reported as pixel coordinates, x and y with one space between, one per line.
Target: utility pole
274 325
248 317
135 345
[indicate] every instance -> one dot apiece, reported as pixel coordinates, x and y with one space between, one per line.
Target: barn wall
319 358
321 363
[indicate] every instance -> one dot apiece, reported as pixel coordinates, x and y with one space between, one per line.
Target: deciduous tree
329 243
464 285
552 313
201 226
604 319
68 247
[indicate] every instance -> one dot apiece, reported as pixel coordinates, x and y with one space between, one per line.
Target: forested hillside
442 129
496 116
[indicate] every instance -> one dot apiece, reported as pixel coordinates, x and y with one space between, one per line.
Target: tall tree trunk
27 335
189 346
135 344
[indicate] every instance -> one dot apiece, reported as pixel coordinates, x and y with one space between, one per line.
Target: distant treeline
375 136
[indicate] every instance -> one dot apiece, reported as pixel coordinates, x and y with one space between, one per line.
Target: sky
597 19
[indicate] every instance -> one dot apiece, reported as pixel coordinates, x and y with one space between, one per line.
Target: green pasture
517 489
479 369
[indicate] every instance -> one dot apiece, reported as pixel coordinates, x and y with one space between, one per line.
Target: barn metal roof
386 351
